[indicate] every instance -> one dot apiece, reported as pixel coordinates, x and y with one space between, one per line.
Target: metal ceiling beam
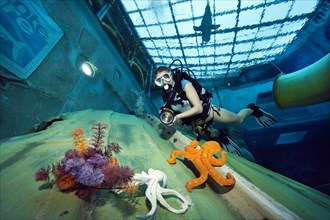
282 25
200 17
237 42
145 25
258 29
177 32
246 27
235 36
197 47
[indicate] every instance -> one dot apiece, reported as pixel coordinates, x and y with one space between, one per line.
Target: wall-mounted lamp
88 69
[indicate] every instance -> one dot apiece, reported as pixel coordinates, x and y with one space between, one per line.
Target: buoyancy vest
177 97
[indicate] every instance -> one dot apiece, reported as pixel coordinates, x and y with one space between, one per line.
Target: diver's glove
229 145
263 118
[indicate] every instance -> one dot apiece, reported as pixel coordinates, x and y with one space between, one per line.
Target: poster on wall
27 34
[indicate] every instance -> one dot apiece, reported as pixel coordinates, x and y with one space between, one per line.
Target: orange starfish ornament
204 161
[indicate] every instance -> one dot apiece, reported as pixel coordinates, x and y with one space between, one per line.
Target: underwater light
166 116
88 69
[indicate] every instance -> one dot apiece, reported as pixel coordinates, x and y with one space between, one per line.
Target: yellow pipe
307 86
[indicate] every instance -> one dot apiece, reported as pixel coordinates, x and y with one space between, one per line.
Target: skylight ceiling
251 32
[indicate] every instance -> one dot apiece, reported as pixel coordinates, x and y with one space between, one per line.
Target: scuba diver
187 102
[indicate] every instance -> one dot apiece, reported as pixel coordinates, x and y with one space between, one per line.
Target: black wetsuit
176 99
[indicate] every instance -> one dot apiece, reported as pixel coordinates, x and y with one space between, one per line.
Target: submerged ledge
258 194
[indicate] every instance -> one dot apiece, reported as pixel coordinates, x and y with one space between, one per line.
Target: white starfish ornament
156 181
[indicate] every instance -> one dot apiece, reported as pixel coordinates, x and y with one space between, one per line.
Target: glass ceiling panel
250 17
239 57
222 60
192 52
293 26
158 60
277 12
149 43
173 43
166 61
185 27
190 42
177 53
181 12
268 31
143 32
225 38
263 44
275 51
131 5
196 7
245 47
136 17
226 21
251 32
193 60
284 40
154 29
209 59
169 30
224 7
151 17
246 34
302 7
154 53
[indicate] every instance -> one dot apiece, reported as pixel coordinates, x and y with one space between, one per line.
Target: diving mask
163 79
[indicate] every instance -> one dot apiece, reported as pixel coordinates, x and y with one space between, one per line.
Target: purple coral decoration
70 154
89 170
82 192
90 152
89 176
117 175
42 175
125 175
97 160
73 165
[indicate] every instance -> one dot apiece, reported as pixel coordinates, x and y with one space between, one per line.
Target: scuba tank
176 96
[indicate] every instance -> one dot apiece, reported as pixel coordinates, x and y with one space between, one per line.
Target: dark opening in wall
45 124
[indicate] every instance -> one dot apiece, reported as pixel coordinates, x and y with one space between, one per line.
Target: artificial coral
156 181
86 169
204 161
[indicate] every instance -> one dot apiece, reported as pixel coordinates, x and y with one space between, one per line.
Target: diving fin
230 145
215 26
263 118
198 28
